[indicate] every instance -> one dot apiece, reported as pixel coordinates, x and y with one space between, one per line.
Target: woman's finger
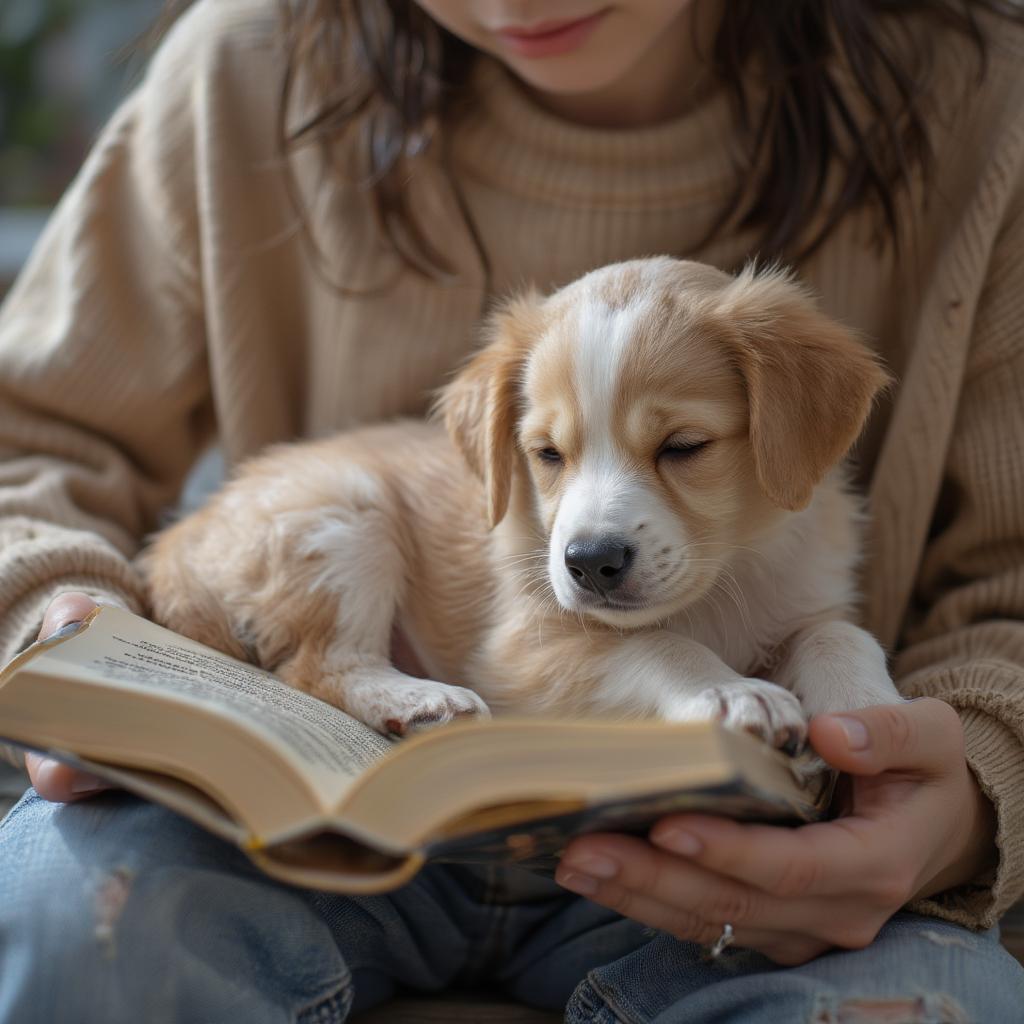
647 907
922 736
683 924
633 878
60 783
824 859
633 870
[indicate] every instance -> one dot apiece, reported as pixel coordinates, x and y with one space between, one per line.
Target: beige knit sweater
172 300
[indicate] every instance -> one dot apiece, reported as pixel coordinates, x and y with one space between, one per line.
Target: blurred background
64 64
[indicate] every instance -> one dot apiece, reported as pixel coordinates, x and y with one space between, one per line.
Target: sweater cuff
39 560
994 754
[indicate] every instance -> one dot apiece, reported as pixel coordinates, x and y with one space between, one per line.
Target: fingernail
66 630
856 732
592 864
678 841
87 784
576 883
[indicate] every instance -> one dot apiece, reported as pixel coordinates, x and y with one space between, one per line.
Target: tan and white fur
634 507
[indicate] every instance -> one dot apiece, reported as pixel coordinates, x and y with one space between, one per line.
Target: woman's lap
115 909
917 971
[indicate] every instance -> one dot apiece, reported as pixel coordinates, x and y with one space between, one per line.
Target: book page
330 747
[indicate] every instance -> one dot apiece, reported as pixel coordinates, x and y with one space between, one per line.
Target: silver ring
723 940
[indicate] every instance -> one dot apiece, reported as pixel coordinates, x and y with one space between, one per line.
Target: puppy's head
662 414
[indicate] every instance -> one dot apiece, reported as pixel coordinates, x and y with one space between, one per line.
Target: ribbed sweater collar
506 140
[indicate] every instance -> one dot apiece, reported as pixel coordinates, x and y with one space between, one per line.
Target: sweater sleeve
104 393
965 644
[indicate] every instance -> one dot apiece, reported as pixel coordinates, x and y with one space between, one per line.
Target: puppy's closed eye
679 449
550 455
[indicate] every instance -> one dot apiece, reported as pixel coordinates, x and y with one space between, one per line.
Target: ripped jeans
117 910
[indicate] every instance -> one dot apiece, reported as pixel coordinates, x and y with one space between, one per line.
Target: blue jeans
117 910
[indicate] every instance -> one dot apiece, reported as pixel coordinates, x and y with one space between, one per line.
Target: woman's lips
551 38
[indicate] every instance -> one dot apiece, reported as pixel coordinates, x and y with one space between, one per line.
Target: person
292 226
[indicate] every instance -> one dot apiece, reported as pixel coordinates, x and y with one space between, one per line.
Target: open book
318 799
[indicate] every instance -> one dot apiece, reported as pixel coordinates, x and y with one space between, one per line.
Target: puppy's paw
414 707
750 705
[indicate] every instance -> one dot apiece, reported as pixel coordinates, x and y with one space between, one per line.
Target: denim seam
591 985
332 1008
4 821
489 945
583 1001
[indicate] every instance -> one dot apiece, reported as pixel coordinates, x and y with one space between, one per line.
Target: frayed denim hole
932 1008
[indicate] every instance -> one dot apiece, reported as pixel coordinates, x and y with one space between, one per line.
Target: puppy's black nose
598 565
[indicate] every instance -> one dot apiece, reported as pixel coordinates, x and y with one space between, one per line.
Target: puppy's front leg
368 687
679 679
836 666
304 586
350 666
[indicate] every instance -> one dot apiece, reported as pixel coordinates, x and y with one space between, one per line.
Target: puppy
633 508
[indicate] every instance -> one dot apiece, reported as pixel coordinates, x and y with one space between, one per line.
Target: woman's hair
386 70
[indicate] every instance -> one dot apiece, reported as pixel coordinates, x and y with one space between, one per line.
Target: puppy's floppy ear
810 382
481 405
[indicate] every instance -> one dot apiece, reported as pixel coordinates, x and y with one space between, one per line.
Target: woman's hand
913 823
51 779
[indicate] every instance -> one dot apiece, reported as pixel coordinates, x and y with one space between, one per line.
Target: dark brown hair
385 70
